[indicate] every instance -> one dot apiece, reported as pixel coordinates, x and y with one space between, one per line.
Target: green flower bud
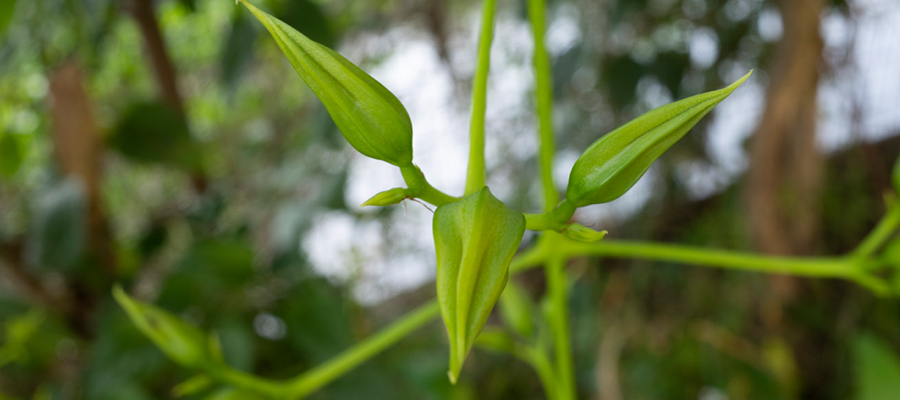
615 162
183 343
387 197
368 115
475 240
581 233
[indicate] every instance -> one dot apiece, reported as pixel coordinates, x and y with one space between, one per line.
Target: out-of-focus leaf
183 343
190 5
238 50
59 227
496 340
6 12
10 155
18 332
516 309
475 239
615 162
310 16
877 370
154 132
233 394
369 116
191 386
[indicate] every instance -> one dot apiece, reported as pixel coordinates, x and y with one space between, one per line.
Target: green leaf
6 12
877 370
516 309
368 115
154 132
10 155
191 386
183 343
895 175
475 240
233 394
237 51
615 162
56 239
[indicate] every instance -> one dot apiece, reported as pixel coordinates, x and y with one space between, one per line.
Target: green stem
356 355
559 323
812 267
552 220
475 175
544 102
421 189
544 368
882 232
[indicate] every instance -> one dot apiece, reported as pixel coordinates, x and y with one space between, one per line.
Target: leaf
237 51
6 12
368 115
475 240
154 132
233 394
615 162
10 155
516 309
56 239
183 343
877 370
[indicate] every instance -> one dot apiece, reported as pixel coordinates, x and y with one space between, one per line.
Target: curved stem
421 189
544 95
475 175
559 323
882 232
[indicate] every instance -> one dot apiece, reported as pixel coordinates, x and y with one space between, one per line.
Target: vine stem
475 175
556 249
558 292
544 96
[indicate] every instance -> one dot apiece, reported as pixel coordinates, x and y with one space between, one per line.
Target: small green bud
387 197
581 233
368 115
183 343
475 240
615 162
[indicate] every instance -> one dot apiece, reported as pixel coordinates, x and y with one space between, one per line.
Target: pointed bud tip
453 377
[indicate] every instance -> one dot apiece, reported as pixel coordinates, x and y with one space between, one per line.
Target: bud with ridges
475 239
183 343
368 115
387 197
615 162
581 233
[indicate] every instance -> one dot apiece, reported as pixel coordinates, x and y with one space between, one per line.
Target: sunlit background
169 146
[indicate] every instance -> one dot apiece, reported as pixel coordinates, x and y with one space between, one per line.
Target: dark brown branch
163 68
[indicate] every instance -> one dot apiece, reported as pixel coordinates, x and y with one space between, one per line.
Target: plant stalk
475 175
544 97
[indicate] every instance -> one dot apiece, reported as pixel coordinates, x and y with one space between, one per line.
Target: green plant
476 235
